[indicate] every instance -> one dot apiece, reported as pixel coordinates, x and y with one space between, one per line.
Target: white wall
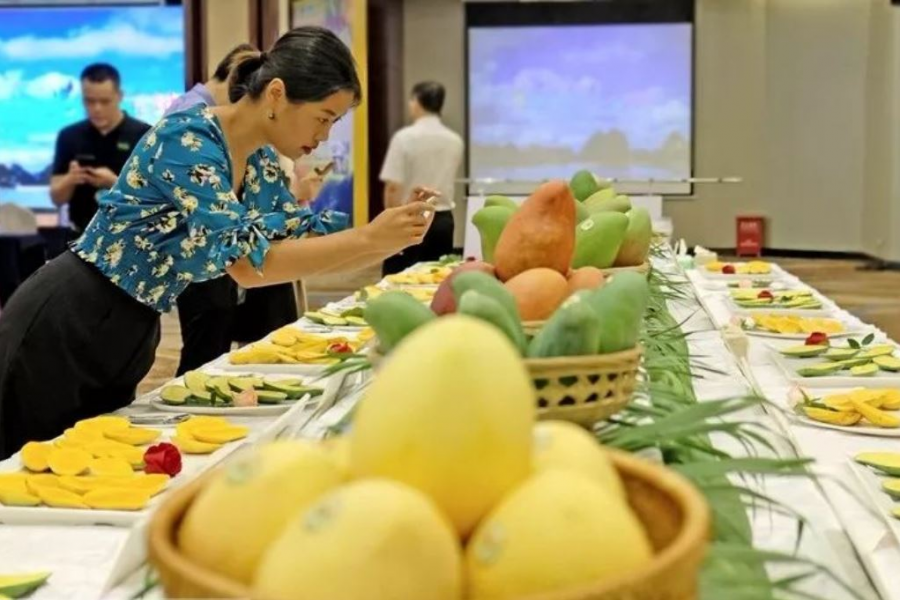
791 95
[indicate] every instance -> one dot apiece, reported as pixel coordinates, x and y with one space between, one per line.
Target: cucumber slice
864 370
887 363
221 388
241 384
175 395
841 353
203 398
820 370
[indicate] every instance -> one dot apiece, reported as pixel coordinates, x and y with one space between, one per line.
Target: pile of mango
445 489
590 322
582 224
290 345
854 407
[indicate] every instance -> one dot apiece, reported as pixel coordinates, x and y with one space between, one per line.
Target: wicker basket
675 517
641 268
584 389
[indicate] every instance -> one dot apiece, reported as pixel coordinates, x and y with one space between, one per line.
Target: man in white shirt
426 153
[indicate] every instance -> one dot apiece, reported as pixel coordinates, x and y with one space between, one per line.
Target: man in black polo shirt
91 153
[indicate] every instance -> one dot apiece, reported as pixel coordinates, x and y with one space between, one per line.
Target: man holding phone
91 153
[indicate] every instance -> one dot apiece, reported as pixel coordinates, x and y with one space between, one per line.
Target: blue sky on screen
42 52
557 86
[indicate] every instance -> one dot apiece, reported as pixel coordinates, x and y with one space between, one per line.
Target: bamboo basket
673 513
584 389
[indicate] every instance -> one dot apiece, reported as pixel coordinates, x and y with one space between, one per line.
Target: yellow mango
839 402
83 436
66 461
60 498
829 416
44 480
11 484
77 484
875 416
117 499
111 467
192 446
104 423
284 337
136 436
16 497
891 400
34 456
219 435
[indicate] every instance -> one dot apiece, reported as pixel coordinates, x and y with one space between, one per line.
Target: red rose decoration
817 339
163 458
728 269
765 295
340 348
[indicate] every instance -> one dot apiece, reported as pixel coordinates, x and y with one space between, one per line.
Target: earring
271 115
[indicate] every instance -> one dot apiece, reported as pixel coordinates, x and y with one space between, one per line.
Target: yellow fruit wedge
104 423
13 485
284 338
220 435
833 417
136 436
69 461
117 499
886 462
44 480
35 455
111 467
192 446
895 512
875 416
60 498
82 436
9 497
890 400
78 484
839 402
874 398
13 478
151 483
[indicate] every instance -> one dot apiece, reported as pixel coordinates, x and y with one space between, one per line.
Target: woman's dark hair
312 61
223 69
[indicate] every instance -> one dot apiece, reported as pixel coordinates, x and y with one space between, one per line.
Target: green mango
504 201
490 222
15 586
620 304
607 200
597 240
394 315
581 212
487 285
635 247
488 309
573 330
583 184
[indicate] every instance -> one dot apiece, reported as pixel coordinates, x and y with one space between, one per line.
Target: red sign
750 234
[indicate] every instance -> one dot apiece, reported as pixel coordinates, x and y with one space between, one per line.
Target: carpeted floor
871 295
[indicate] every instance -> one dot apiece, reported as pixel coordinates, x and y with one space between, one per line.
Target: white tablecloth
843 533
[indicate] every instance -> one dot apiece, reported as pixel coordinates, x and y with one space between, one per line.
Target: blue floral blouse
172 217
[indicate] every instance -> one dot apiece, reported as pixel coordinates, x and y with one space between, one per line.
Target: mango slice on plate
69 461
136 436
117 499
60 498
192 446
35 455
10 497
219 435
111 467
36 482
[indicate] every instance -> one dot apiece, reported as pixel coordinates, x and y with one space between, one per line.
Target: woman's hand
403 226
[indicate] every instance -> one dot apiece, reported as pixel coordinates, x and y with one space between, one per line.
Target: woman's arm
290 260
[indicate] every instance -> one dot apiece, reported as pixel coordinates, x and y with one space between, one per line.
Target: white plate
726 277
802 336
882 379
749 311
870 483
262 410
853 429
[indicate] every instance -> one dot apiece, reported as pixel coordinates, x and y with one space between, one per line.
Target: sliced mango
36 482
220 435
111 467
891 399
136 436
34 456
117 499
83 436
60 498
77 484
831 416
18 586
13 478
10 497
10 484
192 446
104 423
69 461
875 416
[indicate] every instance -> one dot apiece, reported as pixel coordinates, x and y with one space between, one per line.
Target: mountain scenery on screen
42 53
545 101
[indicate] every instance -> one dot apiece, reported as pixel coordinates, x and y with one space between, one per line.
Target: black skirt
72 346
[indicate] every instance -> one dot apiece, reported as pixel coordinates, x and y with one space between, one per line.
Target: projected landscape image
42 53
547 101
